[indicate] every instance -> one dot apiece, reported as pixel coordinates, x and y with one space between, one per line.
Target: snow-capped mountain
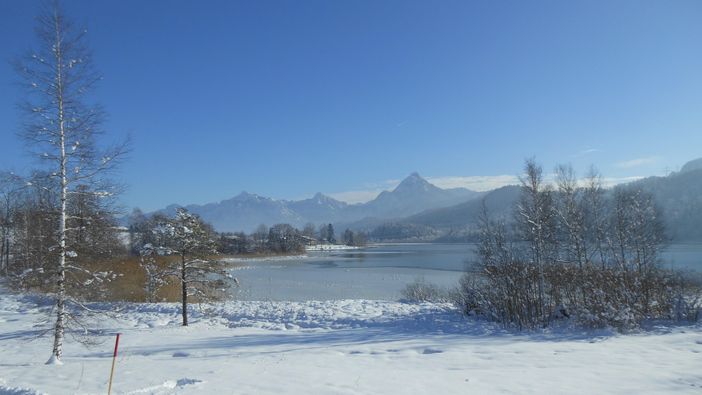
243 212
246 211
319 208
413 195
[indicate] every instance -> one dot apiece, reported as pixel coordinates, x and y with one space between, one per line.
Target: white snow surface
337 347
331 247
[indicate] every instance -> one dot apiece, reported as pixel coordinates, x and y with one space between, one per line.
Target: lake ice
379 272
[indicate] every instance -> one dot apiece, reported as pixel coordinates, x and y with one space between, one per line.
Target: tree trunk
61 270
4 263
184 289
7 256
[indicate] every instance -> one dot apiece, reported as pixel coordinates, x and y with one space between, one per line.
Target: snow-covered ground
331 247
272 258
339 347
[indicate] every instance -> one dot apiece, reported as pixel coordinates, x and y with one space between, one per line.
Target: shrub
422 291
592 296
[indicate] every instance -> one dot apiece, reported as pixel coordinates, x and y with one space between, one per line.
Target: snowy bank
270 258
343 346
331 247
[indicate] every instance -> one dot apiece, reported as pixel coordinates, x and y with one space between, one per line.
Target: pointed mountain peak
413 178
322 199
247 196
414 182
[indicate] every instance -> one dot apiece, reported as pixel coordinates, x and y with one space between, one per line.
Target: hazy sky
286 98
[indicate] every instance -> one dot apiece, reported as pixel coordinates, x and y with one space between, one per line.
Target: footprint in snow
180 354
185 381
180 383
168 385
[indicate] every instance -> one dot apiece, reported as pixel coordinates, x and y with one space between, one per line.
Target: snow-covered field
331 247
339 347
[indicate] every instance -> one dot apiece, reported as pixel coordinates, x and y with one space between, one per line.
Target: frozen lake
379 272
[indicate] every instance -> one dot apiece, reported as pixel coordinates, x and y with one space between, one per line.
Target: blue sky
287 98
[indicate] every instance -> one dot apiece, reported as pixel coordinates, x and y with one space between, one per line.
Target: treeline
30 208
29 219
278 239
285 239
404 232
570 250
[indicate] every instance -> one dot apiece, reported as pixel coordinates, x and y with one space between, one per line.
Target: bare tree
570 215
34 233
528 287
494 246
323 233
535 220
62 128
283 238
11 187
595 217
260 236
348 237
309 230
155 277
636 228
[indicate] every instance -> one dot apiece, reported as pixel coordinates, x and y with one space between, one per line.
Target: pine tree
193 241
330 234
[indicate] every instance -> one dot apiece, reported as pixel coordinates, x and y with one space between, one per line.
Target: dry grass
129 282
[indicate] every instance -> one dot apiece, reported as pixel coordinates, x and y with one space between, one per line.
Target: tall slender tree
535 217
595 217
571 220
62 127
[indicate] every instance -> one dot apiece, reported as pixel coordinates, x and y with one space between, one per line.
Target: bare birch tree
570 215
536 225
62 127
595 217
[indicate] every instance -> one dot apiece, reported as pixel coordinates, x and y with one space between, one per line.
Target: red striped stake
112 372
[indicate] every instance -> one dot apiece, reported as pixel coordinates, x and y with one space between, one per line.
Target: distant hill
679 195
457 223
692 166
246 211
499 203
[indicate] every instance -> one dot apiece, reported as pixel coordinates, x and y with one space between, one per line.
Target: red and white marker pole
114 358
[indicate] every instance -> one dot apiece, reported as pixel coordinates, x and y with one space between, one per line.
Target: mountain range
416 210
678 195
247 211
